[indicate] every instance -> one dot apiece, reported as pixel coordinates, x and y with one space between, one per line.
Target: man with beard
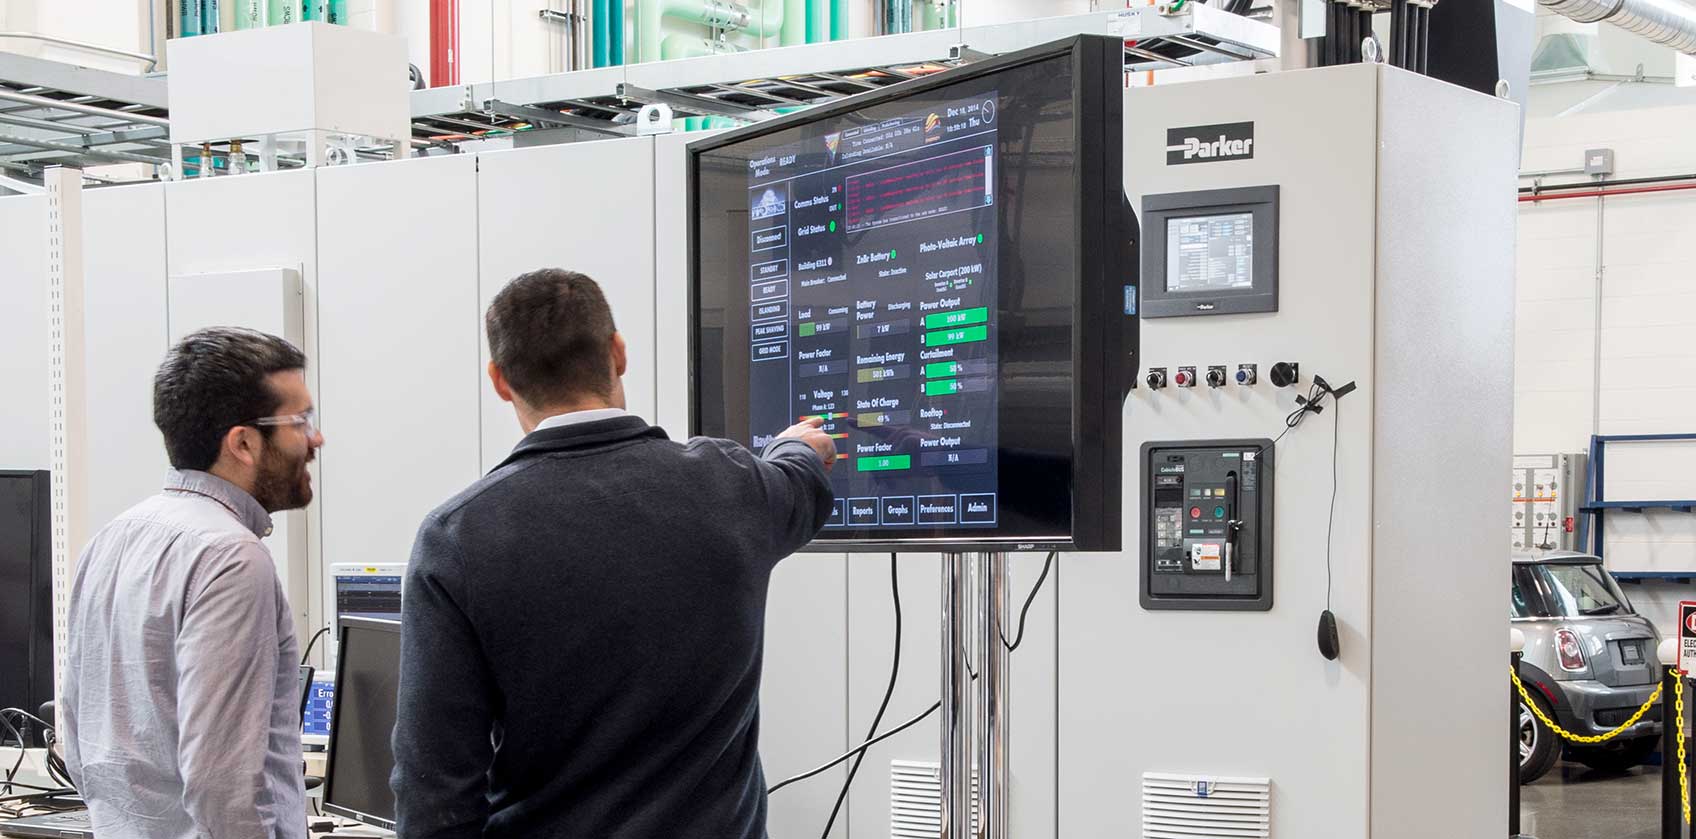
180 703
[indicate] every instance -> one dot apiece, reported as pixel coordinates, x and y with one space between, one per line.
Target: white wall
1648 313
120 24
23 332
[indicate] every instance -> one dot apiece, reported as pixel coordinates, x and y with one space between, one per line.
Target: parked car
1589 663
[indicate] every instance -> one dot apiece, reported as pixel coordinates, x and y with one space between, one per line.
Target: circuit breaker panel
1547 491
1207 525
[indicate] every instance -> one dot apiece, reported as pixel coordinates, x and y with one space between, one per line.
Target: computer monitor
320 704
944 273
26 594
356 775
367 591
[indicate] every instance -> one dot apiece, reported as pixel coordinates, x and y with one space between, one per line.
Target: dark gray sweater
582 634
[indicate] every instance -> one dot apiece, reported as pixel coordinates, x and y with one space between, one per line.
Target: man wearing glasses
180 703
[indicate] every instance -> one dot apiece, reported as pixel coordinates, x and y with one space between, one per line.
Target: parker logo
1210 143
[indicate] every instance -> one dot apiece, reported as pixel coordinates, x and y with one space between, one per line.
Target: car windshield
1572 591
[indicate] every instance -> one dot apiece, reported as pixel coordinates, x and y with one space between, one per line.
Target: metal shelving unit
56 114
1596 505
756 85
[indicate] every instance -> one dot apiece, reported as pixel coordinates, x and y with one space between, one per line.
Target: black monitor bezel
1105 340
37 687
330 751
1261 202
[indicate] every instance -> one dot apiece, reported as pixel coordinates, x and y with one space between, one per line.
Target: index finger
814 421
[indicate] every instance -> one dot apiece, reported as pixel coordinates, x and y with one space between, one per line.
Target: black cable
862 747
1328 51
37 795
22 747
313 643
1309 405
896 730
888 693
1020 637
1351 25
1331 521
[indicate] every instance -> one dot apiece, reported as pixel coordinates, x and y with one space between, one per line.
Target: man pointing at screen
583 627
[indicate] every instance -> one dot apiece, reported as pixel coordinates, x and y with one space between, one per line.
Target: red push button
1195 512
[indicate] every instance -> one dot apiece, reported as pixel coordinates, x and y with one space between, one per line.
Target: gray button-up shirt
181 706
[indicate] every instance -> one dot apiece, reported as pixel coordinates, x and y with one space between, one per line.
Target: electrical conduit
1670 23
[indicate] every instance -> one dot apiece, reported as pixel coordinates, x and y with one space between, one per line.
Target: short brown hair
214 380
550 333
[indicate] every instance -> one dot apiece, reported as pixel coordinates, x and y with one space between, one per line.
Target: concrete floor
1574 801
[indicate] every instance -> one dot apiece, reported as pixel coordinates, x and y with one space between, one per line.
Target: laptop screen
320 700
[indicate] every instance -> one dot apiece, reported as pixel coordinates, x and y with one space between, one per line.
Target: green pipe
615 32
818 21
599 20
649 15
927 16
794 22
692 46
838 20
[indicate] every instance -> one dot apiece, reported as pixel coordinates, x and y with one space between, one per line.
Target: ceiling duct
1670 23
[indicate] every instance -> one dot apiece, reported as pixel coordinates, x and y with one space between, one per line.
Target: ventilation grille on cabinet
1197 806
915 800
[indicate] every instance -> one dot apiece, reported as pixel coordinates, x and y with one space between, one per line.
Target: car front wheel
1539 747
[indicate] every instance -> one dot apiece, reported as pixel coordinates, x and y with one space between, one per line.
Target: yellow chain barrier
1586 738
1683 771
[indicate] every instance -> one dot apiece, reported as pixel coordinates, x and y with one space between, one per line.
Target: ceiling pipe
1670 23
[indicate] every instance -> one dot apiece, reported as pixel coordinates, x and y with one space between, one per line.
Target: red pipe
1603 193
444 43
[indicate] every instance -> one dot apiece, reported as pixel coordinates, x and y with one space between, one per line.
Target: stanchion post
1516 645
1672 806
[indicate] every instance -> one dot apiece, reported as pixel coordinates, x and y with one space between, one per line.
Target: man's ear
243 444
502 389
620 358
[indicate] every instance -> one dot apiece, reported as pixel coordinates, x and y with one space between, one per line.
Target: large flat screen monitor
944 271
356 775
26 592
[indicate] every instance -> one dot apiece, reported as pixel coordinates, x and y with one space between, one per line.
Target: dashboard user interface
1210 253
935 270
873 306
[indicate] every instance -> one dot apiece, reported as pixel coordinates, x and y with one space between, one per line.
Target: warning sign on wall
1687 636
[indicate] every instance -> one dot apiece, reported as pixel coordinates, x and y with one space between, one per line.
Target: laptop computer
72 824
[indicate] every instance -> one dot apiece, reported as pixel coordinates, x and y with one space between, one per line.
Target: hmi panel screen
1207 253
907 271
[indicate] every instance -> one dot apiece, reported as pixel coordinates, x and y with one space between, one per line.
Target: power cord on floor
860 749
888 692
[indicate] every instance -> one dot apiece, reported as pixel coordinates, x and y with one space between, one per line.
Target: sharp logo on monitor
1210 143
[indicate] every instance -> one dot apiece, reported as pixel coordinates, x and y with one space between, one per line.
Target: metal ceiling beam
91 110
85 151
